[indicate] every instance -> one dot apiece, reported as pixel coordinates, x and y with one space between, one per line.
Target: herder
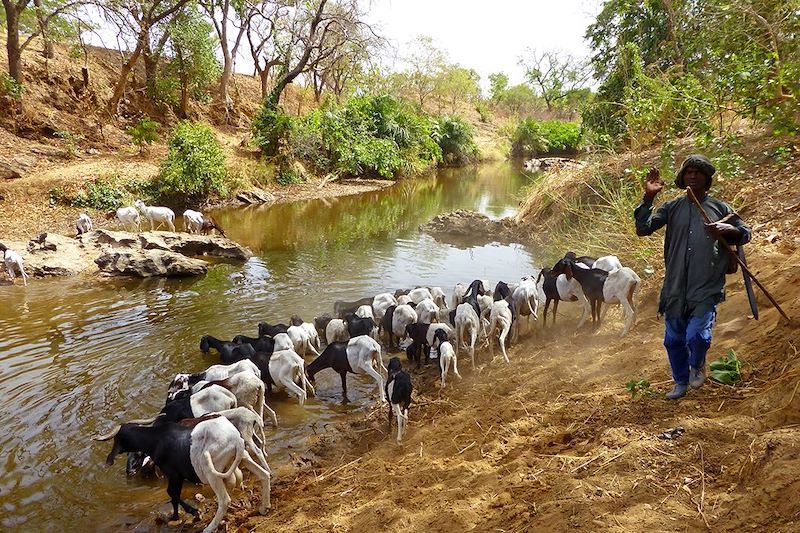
696 264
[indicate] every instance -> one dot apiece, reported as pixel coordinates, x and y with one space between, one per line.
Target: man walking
696 264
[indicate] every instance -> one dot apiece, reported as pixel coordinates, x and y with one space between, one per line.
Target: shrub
454 137
100 194
10 87
143 133
195 166
71 141
528 139
271 129
561 136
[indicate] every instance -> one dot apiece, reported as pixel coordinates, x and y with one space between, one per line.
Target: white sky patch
488 36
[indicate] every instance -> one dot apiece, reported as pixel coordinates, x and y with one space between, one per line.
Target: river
78 355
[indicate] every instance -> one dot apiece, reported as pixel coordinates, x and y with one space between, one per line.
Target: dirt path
552 441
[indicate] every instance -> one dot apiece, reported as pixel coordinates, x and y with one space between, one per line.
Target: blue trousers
687 341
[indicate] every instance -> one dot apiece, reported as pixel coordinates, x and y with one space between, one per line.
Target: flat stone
149 263
9 171
255 196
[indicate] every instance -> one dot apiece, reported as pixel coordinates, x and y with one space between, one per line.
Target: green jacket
695 261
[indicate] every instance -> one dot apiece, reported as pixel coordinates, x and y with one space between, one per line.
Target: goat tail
631 291
233 467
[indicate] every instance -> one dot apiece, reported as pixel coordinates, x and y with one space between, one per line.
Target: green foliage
498 84
726 369
372 135
10 87
454 137
532 138
100 194
271 128
483 111
71 141
195 165
143 133
640 387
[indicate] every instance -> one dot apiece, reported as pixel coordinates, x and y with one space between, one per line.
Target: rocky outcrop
255 196
154 253
468 228
149 263
547 163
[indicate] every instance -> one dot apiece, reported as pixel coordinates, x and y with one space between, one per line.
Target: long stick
694 200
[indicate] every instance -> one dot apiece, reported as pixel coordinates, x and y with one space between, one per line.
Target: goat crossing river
79 356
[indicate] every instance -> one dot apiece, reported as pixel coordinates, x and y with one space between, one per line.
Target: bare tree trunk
48 51
12 43
122 82
264 75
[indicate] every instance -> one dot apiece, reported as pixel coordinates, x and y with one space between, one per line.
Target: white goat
83 224
153 214
13 261
282 342
313 335
620 287
419 294
402 317
249 425
301 340
127 216
336 331
360 355
193 221
467 323
438 296
287 370
404 299
525 300
212 373
447 356
500 320
427 311
458 295
381 303
607 263
365 311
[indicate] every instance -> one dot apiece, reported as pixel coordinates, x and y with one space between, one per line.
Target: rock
255 196
9 171
155 253
550 162
149 263
467 228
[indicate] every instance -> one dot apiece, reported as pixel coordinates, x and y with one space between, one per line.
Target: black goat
474 290
501 291
264 344
418 332
341 308
358 326
584 259
320 323
591 280
551 294
357 356
386 324
191 451
229 352
398 391
271 330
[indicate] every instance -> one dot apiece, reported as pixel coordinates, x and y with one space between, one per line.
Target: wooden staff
733 253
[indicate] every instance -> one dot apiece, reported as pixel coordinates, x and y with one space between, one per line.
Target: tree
193 61
498 83
426 63
136 18
20 19
457 84
228 15
553 75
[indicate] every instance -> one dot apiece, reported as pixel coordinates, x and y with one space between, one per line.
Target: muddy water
78 355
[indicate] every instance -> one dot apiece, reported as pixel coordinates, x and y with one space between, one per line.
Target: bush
195 166
271 129
454 137
10 87
100 195
143 133
549 137
71 141
375 135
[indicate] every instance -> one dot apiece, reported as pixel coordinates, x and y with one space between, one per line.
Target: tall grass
589 209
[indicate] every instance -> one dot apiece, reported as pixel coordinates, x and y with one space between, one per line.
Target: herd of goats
213 422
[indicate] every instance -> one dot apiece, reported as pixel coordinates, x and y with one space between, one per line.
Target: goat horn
108 436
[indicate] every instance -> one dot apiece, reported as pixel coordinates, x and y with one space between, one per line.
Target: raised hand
653 183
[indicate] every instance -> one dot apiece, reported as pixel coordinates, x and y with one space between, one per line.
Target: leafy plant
100 194
10 87
726 369
271 129
143 133
532 138
71 141
195 166
454 137
640 387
